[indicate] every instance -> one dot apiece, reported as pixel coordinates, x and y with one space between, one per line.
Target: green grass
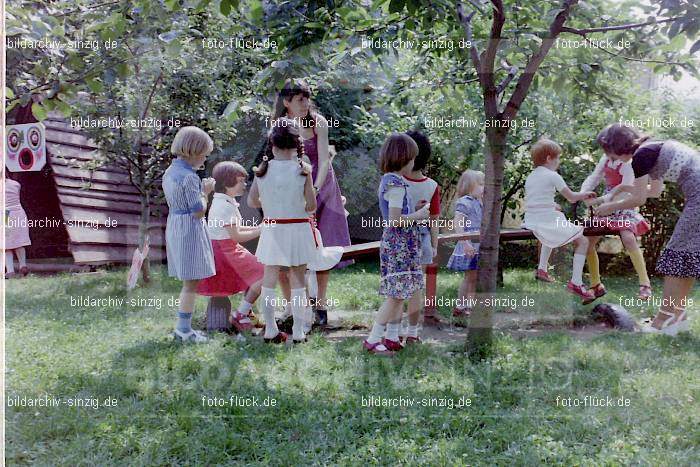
126 354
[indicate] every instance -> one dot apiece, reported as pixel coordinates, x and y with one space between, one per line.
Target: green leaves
225 6
39 111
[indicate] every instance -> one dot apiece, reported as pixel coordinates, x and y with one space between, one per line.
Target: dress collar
227 198
184 164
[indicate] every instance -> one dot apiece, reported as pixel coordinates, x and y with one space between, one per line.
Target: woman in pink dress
294 101
16 229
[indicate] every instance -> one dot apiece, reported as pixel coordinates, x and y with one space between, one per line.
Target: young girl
16 229
189 251
628 222
283 188
543 217
237 269
422 188
468 214
399 253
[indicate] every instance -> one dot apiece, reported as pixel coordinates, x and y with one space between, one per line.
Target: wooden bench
506 235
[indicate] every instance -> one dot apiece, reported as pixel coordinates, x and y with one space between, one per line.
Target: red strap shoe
241 322
394 346
377 349
579 290
542 275
280 338
598 290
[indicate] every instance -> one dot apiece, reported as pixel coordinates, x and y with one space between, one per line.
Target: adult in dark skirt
655 162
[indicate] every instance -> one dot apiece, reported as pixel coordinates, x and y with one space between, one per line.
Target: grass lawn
172 403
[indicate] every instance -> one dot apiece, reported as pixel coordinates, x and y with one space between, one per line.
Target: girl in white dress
283 188
547 222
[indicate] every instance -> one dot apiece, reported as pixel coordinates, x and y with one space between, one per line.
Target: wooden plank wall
93 201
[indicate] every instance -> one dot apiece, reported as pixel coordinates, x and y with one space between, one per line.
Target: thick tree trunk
479 337
143 234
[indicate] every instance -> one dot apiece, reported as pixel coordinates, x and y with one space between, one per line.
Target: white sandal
668 327
192 336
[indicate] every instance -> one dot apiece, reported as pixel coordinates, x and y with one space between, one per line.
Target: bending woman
653 162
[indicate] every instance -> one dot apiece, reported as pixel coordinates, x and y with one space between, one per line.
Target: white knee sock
268 297
299 302
577 273
244 307
412 331
376 333
392 331
545 252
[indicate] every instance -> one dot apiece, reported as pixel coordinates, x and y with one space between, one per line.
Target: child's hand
557 207
588 195
604 209
208 185
422 210
306 168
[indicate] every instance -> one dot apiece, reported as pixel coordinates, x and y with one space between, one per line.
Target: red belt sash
311 220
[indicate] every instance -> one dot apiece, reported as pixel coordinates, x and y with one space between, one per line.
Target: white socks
545 253
376 334
298 299
244 307
267 300
392 331
311 283
412 330
577 273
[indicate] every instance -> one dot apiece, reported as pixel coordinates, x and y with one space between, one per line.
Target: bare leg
284 283
253 292
322 278
416 304
21 256
676 291
187 295
9 262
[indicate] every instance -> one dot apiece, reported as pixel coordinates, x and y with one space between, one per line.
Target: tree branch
632 59
466 21
525 80
620 27
512 71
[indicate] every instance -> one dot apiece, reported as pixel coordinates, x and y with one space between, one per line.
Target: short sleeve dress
675 162
188 247
550 226
472 210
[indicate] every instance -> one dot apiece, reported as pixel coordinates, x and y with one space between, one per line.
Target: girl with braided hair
283 188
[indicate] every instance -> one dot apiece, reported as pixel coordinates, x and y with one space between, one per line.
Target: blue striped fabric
187 243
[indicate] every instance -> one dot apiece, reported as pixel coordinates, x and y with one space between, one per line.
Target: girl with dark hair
283 188
655 162
294 101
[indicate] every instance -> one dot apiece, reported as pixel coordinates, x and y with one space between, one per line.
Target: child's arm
254 195
594 179
643 188
460 221
242 234
207 188
324 160
309 194
573 196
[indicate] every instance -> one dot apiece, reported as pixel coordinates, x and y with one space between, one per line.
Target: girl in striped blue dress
190 255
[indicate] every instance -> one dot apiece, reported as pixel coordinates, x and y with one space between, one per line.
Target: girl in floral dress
399 253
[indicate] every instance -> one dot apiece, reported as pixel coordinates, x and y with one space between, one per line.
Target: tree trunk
143 234
479 338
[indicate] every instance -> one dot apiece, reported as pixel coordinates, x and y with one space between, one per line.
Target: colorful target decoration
25 146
